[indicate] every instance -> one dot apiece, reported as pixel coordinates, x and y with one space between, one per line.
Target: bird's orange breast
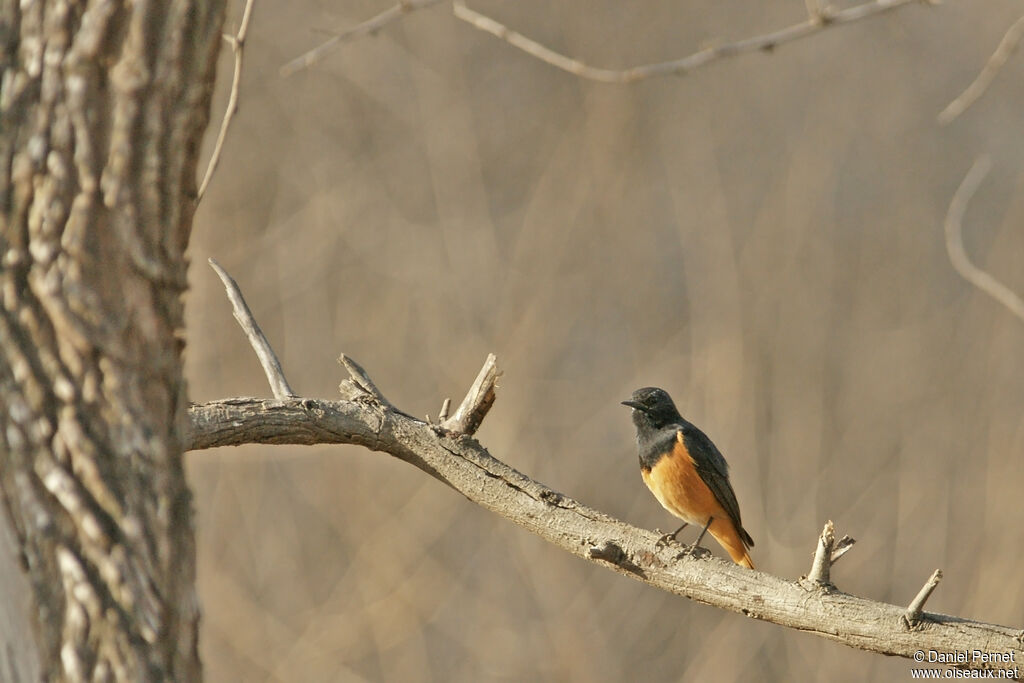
674 481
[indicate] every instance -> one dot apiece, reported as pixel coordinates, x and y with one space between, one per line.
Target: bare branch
370 26
450 456
237 43
822 564
913 614
478 401
955 243
268 359
988 74
466 466
825 18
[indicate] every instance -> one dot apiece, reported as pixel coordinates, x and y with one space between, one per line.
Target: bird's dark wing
714 471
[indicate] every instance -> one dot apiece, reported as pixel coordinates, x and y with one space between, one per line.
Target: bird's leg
667 538
692 549
702 532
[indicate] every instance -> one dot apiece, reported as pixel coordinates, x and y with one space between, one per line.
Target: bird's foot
666 540
693 550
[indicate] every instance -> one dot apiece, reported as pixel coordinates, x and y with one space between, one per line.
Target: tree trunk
102 111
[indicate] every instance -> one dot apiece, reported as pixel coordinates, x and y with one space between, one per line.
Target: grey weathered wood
463 464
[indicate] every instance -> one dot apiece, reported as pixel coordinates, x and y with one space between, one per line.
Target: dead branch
463 464
459 461
955 242
237 43
816 21
988 73
368 27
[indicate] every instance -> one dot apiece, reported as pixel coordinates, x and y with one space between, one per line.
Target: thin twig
842 546
955 243
822 564
237 43
824 19
372 25
916 606
258 341
988 74
478 401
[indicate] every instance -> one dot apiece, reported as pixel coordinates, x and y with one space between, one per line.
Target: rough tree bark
102 111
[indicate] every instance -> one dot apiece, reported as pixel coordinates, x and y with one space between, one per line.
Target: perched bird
686 473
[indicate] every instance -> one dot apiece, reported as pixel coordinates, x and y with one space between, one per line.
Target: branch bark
459 461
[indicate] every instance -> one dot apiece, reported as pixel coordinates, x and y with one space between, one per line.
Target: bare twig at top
988 74
815 22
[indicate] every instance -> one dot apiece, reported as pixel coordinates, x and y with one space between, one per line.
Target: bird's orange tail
725 533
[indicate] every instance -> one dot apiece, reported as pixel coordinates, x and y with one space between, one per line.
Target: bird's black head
652 407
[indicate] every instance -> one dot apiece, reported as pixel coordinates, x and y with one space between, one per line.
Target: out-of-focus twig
372 25
984 79
955 242
824 18
237 43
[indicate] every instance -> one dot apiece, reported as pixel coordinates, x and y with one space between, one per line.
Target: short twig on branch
470 469
442 415
842 546
478 401
816 21
268 359
370 26
988 74
237 43
822 564
358 382
955 242
916 607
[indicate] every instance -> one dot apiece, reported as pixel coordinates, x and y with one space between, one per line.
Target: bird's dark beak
633 404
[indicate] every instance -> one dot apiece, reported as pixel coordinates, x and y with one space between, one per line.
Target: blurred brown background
762 238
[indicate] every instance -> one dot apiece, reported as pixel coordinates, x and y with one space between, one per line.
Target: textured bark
102 112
